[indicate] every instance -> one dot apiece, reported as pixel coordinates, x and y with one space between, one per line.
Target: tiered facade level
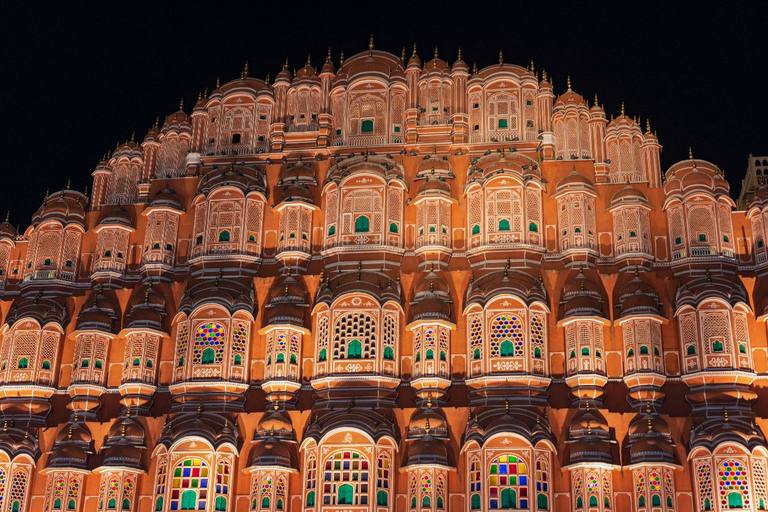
391 285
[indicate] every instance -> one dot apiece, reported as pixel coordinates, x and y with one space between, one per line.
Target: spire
648 126
181 104
217 82
133 136
622 108
266 79
341 59
328 56
413 54
7 215
436 54
157 121
474 68
46 194
544 74
370 44
690 153
309 61
402 55
501 58
285 65
245 69
569 82
533 68
69 183
596 99
459 56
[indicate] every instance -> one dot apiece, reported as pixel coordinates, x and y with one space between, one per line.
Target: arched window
362 224
393 228
366 126
507 349
23 363
190 485
504 225
323 355
381 498
224 236
508 483
221 503
354 350
345 495
208 356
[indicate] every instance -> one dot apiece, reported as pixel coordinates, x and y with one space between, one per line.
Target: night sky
75 82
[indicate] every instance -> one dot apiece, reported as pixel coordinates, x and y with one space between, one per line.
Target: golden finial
474 68
266 80
181 104
245 69
725 415
69 433
648 407
328 55
426 427
622 108
459 56
7 215
568 80
365 155
218 82
157 121
501 58
69 183
133 136
587 406
708 276
370 44
199 409
650 424
122 430
309 61
533 68
413 54
46 195
595 99
341 59
436 55
544 74
199 95
589 428
690 153
429 402
402 55
205 93
285 65
506 405
648 126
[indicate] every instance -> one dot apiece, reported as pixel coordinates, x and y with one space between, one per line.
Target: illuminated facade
387 285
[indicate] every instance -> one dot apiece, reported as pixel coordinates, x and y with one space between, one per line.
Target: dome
328 67
380 286
117 216
66 207
574 181
514 282
569 98
245 177
98 314
582 297
628 195
432 186
7 230
270 452
427 451
428 418
147 310
695 176
153 134
459 64
287 302
166 198
638 298
275 423
177 120
295 184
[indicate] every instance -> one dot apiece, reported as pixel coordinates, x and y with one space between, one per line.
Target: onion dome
628 195
431 298
370 421
202 101
147 309
98 314
216 428
574 182
295 182
758 199
638 298
729 427
72 447
7 230
40 307
509 281
124 445
65 207
287 302
233 293
246 178
697 290
436 65
459 65
691 176
117 216
166 198
582 298
523 421
378 285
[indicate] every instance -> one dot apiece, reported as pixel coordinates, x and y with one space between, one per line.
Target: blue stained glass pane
203 483
187 472
174 505
524 504
523 480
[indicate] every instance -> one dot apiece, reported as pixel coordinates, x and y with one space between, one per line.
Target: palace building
388 284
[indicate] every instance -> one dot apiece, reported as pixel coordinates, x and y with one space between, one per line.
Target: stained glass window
346 468
508 483
506 338
578 490
160 485
18 489
426 490
733 484
208 336
542 485
239 342
189 475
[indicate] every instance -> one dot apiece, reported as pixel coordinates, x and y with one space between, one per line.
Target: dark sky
75 81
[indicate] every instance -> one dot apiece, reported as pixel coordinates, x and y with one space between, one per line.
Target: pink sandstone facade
387 285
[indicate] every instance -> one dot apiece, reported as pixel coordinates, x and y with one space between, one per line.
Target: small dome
147 309
581 297
287 302
153 134
270 452
638 297
98 314
245 177
574 181
628 195
692 175
434 186
428 418
460 65
427 451
166 198
569 98
66 207
275 423
7 231
117 216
